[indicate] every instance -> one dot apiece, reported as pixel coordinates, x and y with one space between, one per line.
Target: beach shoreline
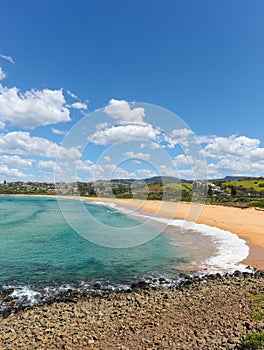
211 312
247 224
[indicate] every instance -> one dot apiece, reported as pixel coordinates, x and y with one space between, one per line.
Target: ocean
44 248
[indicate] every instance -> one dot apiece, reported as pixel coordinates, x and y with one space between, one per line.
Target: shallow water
40 251
38 247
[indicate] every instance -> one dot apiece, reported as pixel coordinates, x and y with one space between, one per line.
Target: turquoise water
39 248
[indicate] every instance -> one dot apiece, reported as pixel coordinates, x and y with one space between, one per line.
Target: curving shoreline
247 224
211 312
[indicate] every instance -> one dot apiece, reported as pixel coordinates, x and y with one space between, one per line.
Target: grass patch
259 204
257 315
258 300
254 341
251 184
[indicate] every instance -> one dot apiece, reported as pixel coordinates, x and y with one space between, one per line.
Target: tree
233 191
210 191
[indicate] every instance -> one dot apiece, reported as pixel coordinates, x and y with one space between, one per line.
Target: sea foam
231 249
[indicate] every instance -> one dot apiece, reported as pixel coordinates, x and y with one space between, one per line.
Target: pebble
200 315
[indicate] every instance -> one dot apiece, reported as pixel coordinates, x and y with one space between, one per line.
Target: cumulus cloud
49 166
120 173
124 133
22 143
8 58
13 174
32 108
139 155
181 159
79 105
146 173
16 161
182 133
86 165
236 167
167 170
103 172
237 155
183 137
122 113
221 147
2 74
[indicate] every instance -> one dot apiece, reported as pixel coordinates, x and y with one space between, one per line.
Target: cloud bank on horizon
33 124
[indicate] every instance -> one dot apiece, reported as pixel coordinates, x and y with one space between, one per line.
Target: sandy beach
246 223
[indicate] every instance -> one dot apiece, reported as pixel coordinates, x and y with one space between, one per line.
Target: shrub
254 341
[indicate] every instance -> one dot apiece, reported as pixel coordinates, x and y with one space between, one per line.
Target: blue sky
202 60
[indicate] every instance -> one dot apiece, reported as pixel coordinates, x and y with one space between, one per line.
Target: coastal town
239 192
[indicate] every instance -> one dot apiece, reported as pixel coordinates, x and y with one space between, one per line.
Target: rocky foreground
212 313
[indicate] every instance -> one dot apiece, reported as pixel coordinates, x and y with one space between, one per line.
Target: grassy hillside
256 185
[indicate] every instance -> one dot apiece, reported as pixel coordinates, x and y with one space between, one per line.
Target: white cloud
2 74
181 159
8 58
32 108
107 159
146 173
120 173
22 143
49 166
235 155
103 172
121 111
86 165
58 132
182 137
96 171
124 133
204 138
11 174
71 94
182 133
187 174
101 126
221 147
16 161
2 125
237 167
79 105
165 170
139 155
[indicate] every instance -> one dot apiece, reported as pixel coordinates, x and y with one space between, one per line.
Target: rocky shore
214 312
